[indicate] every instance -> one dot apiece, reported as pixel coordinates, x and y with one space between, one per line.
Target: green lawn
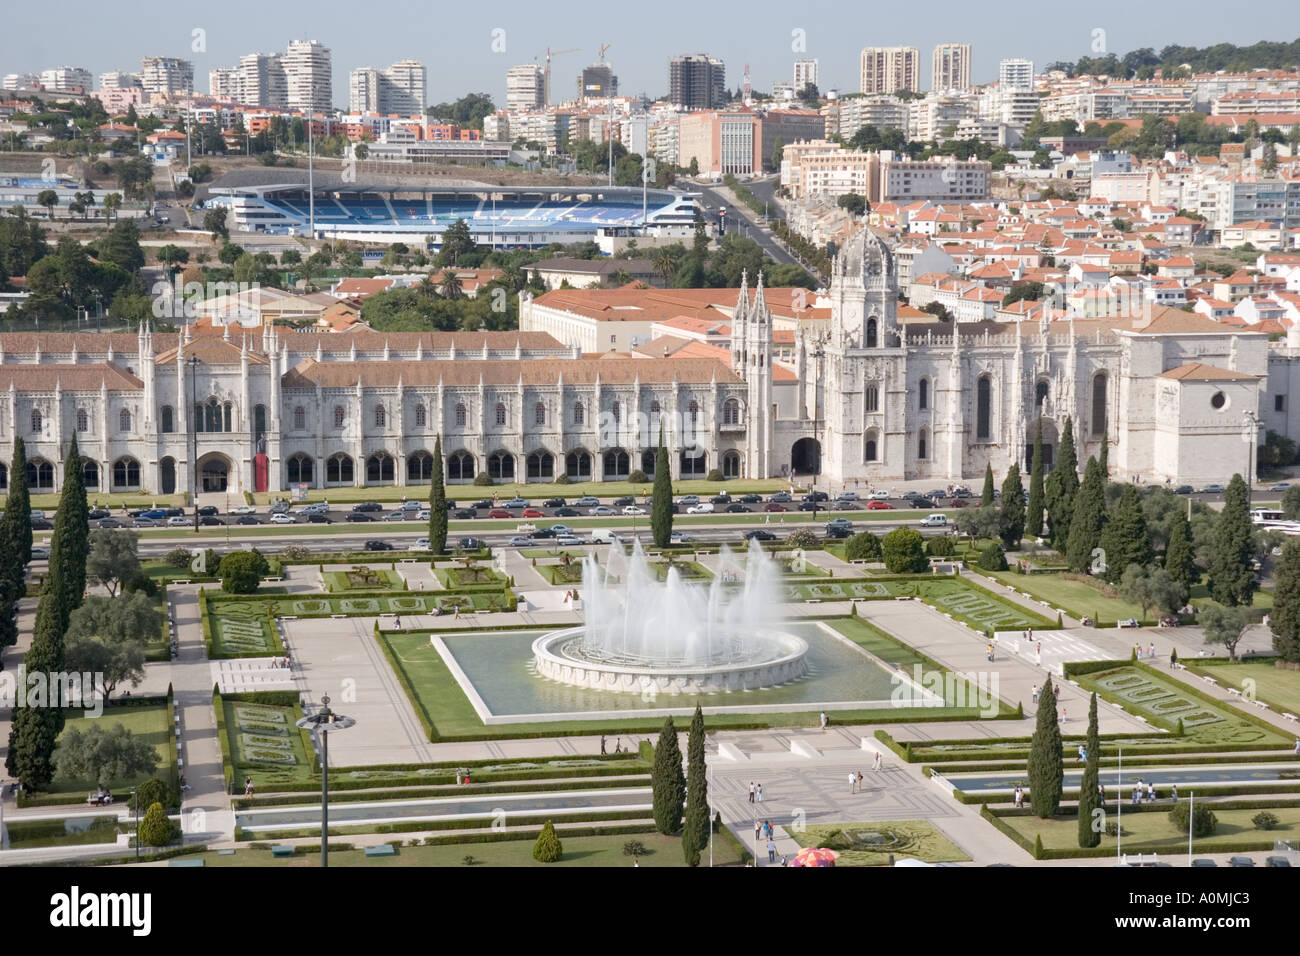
363 579
1076 598
261 741
242 629
1278 688
74 831
148 722
1164 702
476 577
872 844
1151 831
660 850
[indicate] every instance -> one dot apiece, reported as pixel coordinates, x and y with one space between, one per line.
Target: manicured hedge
537 816
351 795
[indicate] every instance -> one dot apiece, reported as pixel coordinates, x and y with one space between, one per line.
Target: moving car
877 504
721 499
935 521
499 513
704 508
680 537
567 512
623 501
367 506
850 496
419 544
519 541
177 521
212 520
357 516
554 503
881 495
243 510
689 500
470 544
738 509
817 496
633 510
1211 490
319 517
412 505
601 510
398 515
587 501
374 544
567 539
560 529
150 523
106 523
252 519
464 513
1184 490
758 534
839 523
98 513
781 497
1280 486
39 554
750 499
773 506
534 513
281 518
920 502
210 510
516 502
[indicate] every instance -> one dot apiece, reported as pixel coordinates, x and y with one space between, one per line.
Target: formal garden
880 843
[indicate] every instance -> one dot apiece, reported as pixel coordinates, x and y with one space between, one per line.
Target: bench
1181 667
1261 705
281 850
225 853
1234 692
193 862
1289 716
1209 680
384 849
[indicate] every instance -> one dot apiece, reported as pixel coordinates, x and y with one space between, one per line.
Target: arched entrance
1051 439
806 457
214 473
167 476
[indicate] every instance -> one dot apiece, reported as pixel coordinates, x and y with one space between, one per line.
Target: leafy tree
114 557
1223 625
241 571
979 522
214 221
904 551
1034 505
1045 769
1180 557
667 780
1089 797
1026 291
104 754
156 828
695 824
1152 588
121 246
1202 820
113 661
992 558
437 503
127 617
1231 580
548 848
1011 518
1284 621
987 498
863 546
153 790
855 204
15 545
1125 540
456 242
1088 520
661 502
1291 502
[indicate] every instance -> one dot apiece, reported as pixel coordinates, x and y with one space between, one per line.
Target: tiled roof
1200 372
310 373
77 378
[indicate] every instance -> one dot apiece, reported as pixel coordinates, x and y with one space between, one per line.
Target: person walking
771 850
760 793
877 763
751 791
1173 792
602 744
823 719
853 782
1034 690
248 786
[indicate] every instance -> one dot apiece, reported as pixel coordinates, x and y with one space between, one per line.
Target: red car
879 506
774 507
533 513
499 513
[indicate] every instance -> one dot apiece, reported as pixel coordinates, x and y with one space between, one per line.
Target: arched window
618 464
1099 404
300 469
501 413
501 466
259 420
577 464
731 464
338 416
227 414
40 474
1040 394
37 420
123 421
299 418
539 414
873 398
871 451
338 470
579 413
168 419
4 476
460 415
872 335
541 464
419 468
694 462
83 420
984 408
923 445
381 416
616 410
90 474
126 473
421 416
923 394
379 469
649 458
731 412
693 410
460 466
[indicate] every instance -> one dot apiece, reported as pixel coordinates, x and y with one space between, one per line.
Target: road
739 218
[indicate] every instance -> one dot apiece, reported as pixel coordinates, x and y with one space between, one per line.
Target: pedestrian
1040 647
1101 793
758 830
1083 753
602 745
1151 651
1297 745
248 786
1173 792
878 762
1034 691
853 782
751 791
859 781
823 718
1151 793
771 850
760 793
397 622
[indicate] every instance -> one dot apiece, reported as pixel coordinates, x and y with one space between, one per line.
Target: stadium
497 216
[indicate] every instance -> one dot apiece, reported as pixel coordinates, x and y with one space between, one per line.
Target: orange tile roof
1200 372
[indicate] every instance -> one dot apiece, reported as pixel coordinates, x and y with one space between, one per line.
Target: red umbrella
815 856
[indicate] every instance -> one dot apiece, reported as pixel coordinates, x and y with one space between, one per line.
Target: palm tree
665 263
428 287
111 203
49 199
450 285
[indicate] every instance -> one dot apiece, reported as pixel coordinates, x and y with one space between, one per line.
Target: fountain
675 637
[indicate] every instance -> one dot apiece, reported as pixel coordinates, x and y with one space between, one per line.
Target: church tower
757 372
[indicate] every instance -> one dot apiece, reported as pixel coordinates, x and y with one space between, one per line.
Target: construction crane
603 48
546 75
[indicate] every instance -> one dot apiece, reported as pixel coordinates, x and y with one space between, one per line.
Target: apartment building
890 69
166 75
70 78
525 88
820 168
805 74
944 179
721 143
950 67
1016 74
400 89
308 76
696 81
844 117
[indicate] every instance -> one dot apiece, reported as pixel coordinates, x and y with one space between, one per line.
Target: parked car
758 534
412 505
738 509
367 506
357 516
212 520
957 503
567 512
243 510
689 500
811 506
545 532
1280 486
470 544
600 510
877 504
554 503
39 554
374 544
680 537
1241 861
482 503
516 502
560 529
704 508
422 514
1279 861
940 493
1204 861
107 523
464 513
919 502
750 499
839 523
848 496
280 506
1128 622
319 517
567 539
633 510
520 541
781 497
910 495
721 499
774 507
623 501
98 513
534 513
587 501
249 519
398 515
279 518
313 508
1211 490
816 496
881 495
41 524
1184 490
150 523
962 492
499 513
155 514
177 521
208 510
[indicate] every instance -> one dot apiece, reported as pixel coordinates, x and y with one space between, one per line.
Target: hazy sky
461 43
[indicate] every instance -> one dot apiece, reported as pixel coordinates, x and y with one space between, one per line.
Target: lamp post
322 722
1252 437
194 441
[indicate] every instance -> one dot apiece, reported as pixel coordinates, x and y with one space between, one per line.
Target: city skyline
514 34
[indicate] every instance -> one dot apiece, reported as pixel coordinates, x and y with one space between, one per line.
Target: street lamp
323 721
1252 422
194 441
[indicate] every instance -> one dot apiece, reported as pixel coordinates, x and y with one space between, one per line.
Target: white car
520 541
422 514
419 544
412 505
633 510
703 508
243 510
283 518
567 539
881 495
178 521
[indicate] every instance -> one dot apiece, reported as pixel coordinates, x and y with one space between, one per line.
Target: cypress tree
1088 519
15 548
986 499
1089 800
1034 504
1232 583
1068 465
667 781
69 543
1061 488
35 729
437 503
1284 621
1103 458
1126 539
1011 518
1046 771
661 506
548 848
695 824
1180 558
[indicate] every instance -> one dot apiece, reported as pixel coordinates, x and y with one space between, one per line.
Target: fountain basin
771 658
